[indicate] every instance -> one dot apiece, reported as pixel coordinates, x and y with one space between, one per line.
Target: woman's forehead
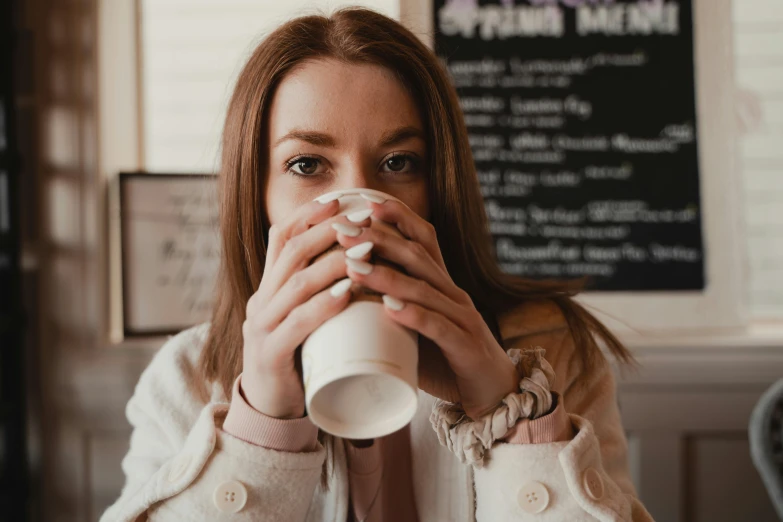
341 99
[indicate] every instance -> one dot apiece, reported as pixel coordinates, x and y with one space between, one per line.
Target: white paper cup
360 366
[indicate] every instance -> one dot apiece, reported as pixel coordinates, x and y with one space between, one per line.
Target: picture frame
169 251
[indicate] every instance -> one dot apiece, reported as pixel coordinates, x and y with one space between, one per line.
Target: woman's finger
300 323
300 287
298 252
411 225
433 325
388 281
413 257
301 219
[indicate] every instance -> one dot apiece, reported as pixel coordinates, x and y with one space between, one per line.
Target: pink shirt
379 475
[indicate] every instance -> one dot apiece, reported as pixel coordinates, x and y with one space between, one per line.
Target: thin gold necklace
375 497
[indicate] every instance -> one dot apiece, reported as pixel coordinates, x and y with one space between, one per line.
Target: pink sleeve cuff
552 427
252 426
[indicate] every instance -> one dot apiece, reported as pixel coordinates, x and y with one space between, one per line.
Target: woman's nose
357 178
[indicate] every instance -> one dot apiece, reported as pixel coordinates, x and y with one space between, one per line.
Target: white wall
758 47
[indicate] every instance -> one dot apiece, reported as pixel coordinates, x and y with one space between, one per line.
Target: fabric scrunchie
469 439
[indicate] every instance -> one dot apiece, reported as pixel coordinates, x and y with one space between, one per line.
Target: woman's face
336 126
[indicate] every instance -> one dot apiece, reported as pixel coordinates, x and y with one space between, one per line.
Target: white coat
181 466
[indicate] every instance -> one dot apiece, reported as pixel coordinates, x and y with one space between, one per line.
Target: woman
220 429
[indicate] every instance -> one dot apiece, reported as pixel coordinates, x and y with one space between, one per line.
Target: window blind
192 52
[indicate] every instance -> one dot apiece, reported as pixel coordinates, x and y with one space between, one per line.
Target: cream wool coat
180 462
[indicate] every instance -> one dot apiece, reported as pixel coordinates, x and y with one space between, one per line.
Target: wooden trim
139 34
416 15
119 138
680 367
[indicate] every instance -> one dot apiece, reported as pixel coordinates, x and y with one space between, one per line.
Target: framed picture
170 251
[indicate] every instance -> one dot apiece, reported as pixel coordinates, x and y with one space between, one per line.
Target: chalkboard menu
582 123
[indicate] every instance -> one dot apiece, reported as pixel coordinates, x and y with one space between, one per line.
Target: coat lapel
331 503
442 485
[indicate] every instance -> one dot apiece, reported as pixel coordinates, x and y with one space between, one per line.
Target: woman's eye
399 162
304 166
308 166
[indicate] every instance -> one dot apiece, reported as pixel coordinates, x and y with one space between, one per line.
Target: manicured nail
359 215
347 230
328 198
340 287
373 198
392 303
360 267
360 250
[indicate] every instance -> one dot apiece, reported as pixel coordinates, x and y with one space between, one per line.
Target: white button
593 484
533 497
230 497
178 468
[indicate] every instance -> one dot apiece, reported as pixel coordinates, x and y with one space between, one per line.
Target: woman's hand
470 366
292 300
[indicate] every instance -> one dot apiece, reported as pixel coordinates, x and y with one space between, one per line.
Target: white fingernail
347 230
340 287
392 303
328 198
359 215
360 250
360 267
373 198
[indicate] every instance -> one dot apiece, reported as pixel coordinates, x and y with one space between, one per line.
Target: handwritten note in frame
170 251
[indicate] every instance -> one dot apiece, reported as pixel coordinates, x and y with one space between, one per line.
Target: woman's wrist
279 404
252 426
297 411
470 438
555 426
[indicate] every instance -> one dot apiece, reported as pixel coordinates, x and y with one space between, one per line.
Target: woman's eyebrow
321 139
314 137
401 134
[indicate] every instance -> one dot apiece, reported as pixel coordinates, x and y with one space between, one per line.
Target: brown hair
360 35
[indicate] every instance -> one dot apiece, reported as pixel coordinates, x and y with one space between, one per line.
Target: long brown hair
358 35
